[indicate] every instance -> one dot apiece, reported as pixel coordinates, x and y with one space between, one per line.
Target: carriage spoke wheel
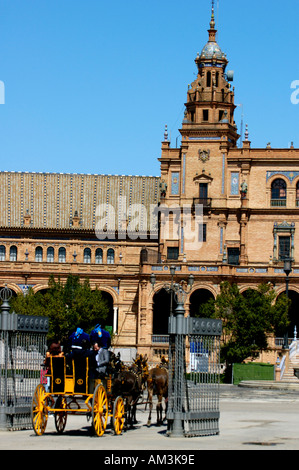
99 410
39 410
60 416
118 418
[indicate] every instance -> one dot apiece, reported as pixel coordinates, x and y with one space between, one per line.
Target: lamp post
287 267
177 329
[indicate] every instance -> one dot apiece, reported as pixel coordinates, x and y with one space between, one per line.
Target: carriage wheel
99 410
118 418
39 411
60 416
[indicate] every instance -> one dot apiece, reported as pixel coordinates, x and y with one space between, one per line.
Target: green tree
248 319
67 305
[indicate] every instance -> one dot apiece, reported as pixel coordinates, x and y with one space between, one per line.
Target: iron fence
193 403
22 351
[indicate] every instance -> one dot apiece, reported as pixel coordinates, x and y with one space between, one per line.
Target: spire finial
166 134
246 132
212 22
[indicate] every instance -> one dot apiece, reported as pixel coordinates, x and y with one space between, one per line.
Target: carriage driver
102 357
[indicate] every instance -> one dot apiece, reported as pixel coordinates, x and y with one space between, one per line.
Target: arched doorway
109 320
293 312
161 311
197 299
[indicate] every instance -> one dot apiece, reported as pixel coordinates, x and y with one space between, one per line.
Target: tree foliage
67 305
248 319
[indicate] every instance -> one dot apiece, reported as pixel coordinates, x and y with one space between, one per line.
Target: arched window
297 194
99 256
2 253
87 255
208 79
50 255
110 256
278 193
39 254
13 253
61 255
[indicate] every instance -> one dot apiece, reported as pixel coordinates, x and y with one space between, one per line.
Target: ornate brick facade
57 223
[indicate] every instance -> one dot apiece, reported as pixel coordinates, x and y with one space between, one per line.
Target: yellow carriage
75 392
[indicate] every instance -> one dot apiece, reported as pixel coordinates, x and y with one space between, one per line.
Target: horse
140 366
157 384
129 384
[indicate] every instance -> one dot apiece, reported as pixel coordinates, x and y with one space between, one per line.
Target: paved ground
251 418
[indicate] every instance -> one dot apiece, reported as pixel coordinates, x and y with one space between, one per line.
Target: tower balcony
206 202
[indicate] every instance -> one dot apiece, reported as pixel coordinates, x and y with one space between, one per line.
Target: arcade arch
198 298
161 311
293 311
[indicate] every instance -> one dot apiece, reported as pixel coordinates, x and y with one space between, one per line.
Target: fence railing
22 351
193 397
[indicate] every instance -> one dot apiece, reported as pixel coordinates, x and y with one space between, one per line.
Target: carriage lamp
176 290
153 280
172 284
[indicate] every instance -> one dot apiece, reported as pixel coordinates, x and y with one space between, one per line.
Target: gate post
177 338
193 399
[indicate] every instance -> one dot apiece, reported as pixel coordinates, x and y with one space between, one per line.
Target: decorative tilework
234 184
184 173
221 240
291 175
175 183
223 174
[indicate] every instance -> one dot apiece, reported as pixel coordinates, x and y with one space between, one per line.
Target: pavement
253 416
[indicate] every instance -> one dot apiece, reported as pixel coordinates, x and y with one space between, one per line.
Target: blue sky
90 84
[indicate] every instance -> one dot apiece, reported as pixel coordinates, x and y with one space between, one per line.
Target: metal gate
193 397
22 351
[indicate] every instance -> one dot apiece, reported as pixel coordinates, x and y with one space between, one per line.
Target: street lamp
177 333
174 289
287 267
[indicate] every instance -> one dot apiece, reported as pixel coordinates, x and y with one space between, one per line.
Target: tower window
202 233
221 113
284 247
208 79
172 252
205 114
233 256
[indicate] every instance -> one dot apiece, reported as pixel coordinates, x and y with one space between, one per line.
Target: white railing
282 366
293 348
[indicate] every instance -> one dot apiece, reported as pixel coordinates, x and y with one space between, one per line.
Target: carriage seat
78 380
